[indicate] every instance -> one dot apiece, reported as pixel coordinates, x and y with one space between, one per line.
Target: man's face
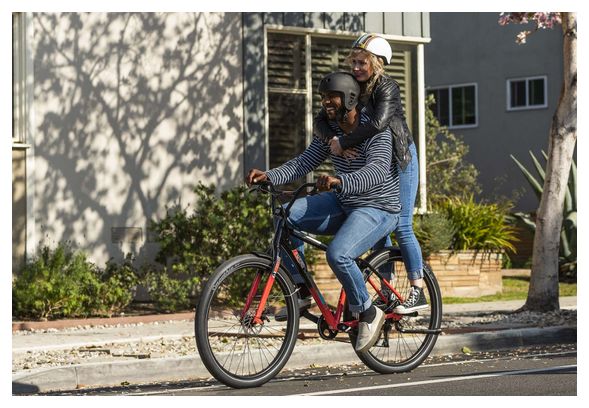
332 102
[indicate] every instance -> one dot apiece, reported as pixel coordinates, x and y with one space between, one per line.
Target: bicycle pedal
344 328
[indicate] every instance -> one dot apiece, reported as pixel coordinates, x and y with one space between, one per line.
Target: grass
514 288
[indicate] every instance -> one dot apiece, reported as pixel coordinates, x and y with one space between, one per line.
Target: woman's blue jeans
408 244
355 231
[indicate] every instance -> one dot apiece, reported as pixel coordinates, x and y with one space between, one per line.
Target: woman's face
361 66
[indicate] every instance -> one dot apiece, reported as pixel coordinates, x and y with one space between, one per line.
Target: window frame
311 37
527 80
21 76
450 89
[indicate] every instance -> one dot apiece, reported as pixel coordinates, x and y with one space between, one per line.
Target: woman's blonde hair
377 69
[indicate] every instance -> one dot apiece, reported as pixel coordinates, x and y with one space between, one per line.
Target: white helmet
376 45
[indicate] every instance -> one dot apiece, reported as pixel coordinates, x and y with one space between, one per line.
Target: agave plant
568 233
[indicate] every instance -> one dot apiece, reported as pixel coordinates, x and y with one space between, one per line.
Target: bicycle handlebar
268 187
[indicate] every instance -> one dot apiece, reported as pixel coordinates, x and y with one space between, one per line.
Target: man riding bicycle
362 210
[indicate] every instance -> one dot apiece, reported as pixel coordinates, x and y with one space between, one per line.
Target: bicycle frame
281 233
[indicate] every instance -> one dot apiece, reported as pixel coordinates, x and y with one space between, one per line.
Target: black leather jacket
384 108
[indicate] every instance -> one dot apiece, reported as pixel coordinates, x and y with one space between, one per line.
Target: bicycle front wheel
403 343
237 349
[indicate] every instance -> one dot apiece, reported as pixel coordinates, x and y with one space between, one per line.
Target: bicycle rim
235 349
398 351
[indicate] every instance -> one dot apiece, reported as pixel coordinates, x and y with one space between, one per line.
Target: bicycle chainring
324 330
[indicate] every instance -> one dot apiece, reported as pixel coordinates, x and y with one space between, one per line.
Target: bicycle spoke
235 344
404 349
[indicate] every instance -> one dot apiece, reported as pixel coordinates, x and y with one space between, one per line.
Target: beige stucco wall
19 210
131 111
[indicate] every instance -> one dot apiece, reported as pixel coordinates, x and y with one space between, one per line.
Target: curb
191 368
100 321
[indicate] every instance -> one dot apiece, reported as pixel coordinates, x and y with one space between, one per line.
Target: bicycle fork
268 286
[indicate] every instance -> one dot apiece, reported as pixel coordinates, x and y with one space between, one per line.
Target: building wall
477 49
131 112
19 209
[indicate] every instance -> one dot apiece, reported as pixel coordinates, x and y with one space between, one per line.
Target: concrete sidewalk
135 371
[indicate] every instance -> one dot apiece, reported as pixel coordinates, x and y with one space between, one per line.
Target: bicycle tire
236 352
404 351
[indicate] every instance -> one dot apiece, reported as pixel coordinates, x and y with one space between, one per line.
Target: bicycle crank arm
310 316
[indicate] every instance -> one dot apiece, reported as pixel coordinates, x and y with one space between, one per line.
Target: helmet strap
341 114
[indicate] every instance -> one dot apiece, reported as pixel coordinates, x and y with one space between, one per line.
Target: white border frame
419 42
527 80
476 103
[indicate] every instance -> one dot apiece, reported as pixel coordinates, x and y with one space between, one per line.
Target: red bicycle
241 342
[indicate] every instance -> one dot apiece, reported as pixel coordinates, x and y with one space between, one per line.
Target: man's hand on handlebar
326 183
255 176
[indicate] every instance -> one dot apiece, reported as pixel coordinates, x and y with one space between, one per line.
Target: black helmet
344 83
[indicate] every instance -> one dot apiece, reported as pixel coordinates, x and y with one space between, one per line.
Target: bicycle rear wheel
236 350
403 344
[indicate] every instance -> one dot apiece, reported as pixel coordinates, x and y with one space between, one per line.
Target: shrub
448 173
478 226
434 231
53 284
61 282
118 285
193 243
170 291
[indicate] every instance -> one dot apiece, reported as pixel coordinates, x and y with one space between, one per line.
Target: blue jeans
355 231
408 244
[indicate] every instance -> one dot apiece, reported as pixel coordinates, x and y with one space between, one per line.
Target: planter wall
467 273
462 273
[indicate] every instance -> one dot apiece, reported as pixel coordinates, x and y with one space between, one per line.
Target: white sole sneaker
368 332
403 310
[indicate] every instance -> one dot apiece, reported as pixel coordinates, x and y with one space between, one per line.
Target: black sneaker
392 300
414 302
304 304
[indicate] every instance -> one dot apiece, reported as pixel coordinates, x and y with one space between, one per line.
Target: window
527 93
296 64
18 79
287 89
455 106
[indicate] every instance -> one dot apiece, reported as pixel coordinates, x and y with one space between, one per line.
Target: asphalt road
548 370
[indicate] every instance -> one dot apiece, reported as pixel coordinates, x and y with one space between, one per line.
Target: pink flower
541 19
521 37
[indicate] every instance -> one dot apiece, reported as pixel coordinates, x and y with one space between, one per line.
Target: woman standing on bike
382 97
362 210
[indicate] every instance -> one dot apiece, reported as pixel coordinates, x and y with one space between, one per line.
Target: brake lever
258 188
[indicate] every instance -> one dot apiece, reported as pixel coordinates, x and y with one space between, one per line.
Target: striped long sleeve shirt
368 180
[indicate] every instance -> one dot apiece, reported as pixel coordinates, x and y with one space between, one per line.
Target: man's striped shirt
368 180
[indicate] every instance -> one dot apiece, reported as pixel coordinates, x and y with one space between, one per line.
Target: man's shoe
368 332
304 304
414 302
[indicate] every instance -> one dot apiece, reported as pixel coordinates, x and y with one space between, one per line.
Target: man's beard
341 115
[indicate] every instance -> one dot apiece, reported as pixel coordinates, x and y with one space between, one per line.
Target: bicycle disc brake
250 327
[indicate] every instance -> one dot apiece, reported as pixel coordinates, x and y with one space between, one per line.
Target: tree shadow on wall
132 111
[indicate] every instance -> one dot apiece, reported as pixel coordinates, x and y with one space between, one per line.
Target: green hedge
62 282
193 242
478 226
